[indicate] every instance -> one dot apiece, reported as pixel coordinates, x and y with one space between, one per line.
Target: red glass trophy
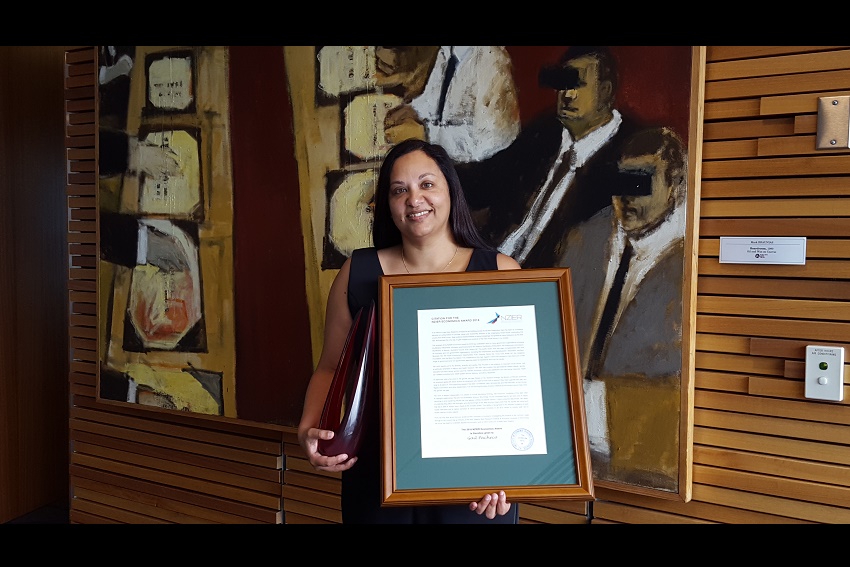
345 407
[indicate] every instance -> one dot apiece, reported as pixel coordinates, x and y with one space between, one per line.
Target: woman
422 224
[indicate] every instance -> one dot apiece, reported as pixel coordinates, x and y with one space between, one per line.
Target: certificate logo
494 319
522 439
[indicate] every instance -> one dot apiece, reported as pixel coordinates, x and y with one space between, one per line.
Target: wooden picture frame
447 439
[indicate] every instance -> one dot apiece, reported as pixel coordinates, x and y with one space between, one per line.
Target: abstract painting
166 334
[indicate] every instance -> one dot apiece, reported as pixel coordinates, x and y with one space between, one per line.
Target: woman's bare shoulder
505 262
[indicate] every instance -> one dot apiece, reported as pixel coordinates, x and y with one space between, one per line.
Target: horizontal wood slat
796 103
714 53
809 227
294 509
776 85
789 389
794 146
821 503
613 512
807 123
774 287
737 383
201 457
786 511
829 269
785 348
714 131
779 65
731 109
774 167
825 421
176 480
534 513
110 514
174 496
739 363
203 431
131 454
730 149
786 308
155 513
838 186
750 208
311 481
811 451
712 342
317 497
695 508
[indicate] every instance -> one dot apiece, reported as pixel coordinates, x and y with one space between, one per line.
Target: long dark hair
385 233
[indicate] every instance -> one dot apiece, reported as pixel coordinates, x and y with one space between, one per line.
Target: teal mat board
557 467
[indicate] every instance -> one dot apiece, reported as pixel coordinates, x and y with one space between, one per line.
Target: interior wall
33 299
762 452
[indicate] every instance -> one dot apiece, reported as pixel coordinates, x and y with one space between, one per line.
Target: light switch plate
833 123
825 373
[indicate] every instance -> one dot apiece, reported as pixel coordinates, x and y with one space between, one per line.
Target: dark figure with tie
627 264
561 169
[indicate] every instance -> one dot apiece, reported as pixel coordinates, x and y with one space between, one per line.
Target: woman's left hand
491 505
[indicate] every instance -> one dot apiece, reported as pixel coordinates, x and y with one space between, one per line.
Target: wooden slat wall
129 465
763 453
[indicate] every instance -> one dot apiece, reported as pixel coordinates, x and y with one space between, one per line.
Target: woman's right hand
310 444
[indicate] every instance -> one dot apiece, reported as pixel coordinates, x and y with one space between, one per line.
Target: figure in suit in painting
468 104
561 168
631 355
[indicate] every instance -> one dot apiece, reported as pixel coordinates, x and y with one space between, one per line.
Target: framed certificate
480 388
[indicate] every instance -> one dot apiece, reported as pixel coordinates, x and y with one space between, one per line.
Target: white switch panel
825 373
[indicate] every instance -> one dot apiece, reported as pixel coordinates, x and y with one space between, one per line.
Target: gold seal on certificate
522 439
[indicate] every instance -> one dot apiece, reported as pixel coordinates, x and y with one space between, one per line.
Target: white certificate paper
479 382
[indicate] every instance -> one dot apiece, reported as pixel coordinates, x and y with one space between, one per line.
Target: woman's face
419 196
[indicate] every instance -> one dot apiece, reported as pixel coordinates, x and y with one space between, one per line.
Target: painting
220 168
583 157
198 217
165 212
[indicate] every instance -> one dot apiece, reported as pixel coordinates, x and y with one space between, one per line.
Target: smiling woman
423 225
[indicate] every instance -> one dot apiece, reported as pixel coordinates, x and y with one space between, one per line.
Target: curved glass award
345 407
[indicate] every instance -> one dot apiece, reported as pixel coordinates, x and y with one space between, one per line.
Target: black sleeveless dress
361 484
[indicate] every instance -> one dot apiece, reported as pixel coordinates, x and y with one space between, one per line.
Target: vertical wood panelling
33 319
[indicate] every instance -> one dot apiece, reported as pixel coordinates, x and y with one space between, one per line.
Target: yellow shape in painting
364 124
352 211
176 193
182 388
346 68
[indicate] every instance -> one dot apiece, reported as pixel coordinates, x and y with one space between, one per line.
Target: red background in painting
273 347
654 82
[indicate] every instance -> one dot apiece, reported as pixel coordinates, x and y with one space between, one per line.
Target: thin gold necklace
444 267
